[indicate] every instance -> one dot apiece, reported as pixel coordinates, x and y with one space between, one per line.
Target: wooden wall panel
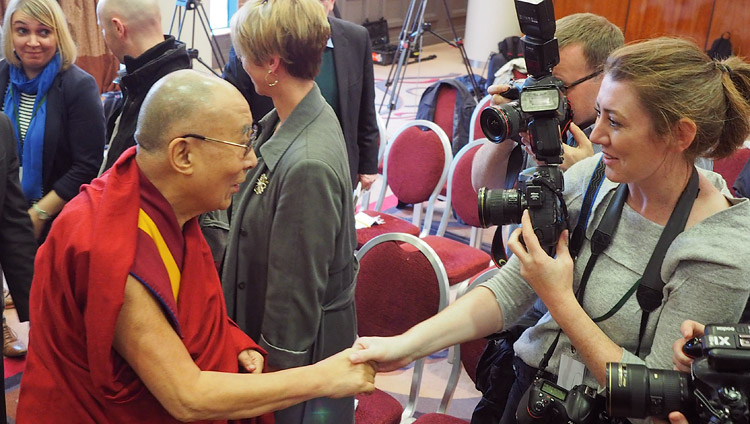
733 16
615 11
682 18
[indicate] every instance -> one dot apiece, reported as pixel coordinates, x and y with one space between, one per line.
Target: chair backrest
416 164
730 167
445 107
468 353
401 282
461 196
475 129
383 141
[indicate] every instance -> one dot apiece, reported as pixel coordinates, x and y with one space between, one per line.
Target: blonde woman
290 270
53 105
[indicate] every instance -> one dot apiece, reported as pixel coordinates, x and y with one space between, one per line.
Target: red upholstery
377 408
439 419
470 354
391 299
445 106
416 160
461 261
391 224
412 175
464 198
730 167
478 134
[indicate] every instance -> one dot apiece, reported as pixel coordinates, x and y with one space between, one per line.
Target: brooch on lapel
261 184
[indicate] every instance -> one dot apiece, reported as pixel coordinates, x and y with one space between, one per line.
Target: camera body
541 108
545 402
715 391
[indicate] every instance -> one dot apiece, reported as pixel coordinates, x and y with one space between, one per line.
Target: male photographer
585 40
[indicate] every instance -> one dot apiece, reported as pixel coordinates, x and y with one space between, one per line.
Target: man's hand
251 361
689 330
367 180
345 378
496 91
572 154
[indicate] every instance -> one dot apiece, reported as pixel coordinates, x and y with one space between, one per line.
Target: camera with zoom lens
545 402
715 391
541 109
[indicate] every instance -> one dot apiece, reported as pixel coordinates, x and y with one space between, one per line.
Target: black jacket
142 72
73 132
17 243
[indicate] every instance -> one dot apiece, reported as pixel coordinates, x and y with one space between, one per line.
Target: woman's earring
270 84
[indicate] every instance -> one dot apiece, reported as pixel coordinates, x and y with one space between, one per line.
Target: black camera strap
649 286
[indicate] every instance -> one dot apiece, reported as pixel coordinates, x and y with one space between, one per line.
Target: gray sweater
705 272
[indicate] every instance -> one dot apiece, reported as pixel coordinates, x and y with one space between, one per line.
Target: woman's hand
251 361
345 378
387 352
37 222
689 330
497 91
551 278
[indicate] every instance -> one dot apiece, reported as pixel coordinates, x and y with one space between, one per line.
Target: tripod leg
215 49
395 64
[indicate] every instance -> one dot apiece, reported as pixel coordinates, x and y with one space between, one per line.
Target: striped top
25 112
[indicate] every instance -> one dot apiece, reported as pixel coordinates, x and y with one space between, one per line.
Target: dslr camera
542 109
716 390
545 402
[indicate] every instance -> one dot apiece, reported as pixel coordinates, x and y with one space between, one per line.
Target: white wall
201 42
487 23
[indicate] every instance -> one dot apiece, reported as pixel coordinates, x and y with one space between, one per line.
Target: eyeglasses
247 147
582 80
254 132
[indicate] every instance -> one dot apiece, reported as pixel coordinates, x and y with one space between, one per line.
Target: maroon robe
72 373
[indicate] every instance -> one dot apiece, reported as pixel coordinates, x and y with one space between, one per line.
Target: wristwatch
43 215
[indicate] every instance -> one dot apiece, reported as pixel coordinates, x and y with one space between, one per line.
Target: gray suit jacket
290 270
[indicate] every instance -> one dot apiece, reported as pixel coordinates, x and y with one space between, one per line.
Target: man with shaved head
130 323
132 31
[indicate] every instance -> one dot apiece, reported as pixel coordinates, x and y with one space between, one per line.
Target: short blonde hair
48 13
296 30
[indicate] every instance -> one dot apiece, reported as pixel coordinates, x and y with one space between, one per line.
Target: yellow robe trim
147 224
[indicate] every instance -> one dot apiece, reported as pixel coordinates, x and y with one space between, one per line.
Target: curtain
93 55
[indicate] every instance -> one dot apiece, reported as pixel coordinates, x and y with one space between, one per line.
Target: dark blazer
17 243
73 133
352 58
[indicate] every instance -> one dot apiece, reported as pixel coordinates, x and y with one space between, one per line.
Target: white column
487 23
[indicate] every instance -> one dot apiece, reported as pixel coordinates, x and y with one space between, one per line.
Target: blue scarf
31 151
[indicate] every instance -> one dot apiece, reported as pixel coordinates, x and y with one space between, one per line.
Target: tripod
410 36
181 9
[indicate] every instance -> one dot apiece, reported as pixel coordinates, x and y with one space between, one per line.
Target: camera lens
500 207
500 122
635 391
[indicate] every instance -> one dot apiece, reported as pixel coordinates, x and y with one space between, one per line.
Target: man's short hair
48 13
296 30
598 36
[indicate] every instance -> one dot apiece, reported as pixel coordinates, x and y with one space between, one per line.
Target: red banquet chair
730 167
401 282
416 164
461 261
475 129
467 356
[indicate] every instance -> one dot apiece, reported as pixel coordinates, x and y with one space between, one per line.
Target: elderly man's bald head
135 12
183 102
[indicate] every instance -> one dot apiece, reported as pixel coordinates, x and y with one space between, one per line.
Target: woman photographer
662 103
